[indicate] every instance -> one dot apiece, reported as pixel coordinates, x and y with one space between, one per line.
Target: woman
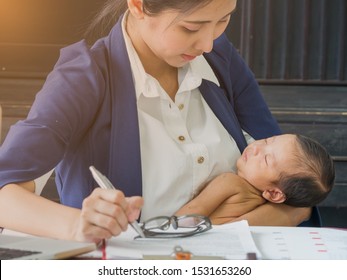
161 105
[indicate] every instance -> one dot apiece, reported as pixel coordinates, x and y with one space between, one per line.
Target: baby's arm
212 196
234 207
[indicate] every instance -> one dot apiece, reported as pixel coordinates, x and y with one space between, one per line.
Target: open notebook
38 248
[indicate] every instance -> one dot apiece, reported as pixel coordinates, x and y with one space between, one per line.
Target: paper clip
180 254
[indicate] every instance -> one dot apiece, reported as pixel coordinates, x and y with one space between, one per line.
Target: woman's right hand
106 213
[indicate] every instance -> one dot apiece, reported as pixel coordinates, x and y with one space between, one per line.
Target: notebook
39 248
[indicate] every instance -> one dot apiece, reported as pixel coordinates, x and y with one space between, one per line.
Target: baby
290 169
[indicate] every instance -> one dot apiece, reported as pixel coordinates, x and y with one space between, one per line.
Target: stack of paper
230 241
301 243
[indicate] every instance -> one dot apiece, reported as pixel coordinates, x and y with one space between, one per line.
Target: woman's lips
187 57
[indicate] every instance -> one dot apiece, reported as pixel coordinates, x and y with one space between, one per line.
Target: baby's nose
255 149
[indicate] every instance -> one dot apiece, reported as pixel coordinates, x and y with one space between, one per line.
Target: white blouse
183 144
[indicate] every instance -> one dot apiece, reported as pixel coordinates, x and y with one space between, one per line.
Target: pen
105 183
103 249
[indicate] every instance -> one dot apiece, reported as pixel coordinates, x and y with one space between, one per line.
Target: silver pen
105 183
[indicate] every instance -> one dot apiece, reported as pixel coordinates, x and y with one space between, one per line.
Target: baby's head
288 168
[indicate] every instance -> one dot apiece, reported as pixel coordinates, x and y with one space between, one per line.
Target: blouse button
181 138
181 106
201 160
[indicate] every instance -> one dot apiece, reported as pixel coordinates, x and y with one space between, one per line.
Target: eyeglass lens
163 222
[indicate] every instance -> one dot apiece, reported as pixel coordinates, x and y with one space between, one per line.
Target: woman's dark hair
113 9
316 177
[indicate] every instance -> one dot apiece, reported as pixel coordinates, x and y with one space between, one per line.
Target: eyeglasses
175 227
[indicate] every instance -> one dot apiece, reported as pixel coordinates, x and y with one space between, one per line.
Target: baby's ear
274 195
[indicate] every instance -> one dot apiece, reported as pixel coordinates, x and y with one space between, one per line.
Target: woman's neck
154 66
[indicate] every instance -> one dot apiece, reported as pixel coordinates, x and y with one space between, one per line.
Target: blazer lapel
125 156
220 105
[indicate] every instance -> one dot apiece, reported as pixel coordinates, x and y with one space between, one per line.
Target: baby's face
262 161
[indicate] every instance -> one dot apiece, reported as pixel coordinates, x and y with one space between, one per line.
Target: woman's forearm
270 214
24 211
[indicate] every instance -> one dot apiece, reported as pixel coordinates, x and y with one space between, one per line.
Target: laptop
39 248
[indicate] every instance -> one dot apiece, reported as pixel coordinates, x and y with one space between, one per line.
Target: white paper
301 243
230 241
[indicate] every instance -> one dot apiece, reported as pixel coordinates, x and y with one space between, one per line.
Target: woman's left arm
270 214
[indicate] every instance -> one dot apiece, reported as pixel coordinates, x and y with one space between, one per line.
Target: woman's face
178 38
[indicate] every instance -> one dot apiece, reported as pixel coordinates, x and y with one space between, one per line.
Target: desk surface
276 243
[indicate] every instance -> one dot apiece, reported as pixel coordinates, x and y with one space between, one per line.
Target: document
301 243
229 241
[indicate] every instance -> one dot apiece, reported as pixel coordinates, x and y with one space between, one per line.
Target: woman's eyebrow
207 21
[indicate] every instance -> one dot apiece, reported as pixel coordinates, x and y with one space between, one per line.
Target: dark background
296 48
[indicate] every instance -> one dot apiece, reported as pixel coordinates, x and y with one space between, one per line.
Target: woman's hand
106 213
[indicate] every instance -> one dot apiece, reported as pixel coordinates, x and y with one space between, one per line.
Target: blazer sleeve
59 117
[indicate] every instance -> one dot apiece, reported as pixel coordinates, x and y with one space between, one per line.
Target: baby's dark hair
316 177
